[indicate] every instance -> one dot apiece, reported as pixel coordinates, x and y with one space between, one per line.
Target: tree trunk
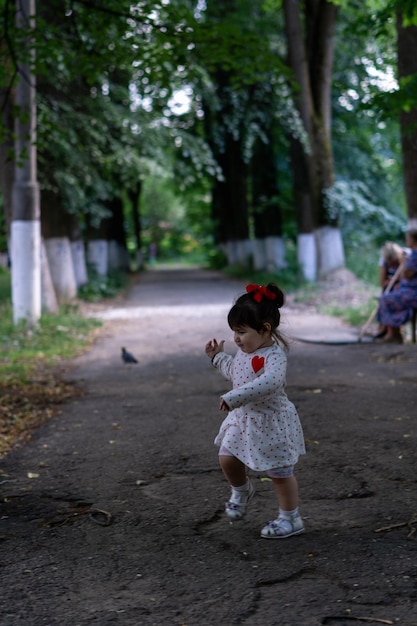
106 247
55 231
118 253
310 56
268 245
26 227
77 251
134 196
97 247
233 215
7 164
229 200
407 65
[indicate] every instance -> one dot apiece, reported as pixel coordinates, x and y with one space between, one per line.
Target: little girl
262 430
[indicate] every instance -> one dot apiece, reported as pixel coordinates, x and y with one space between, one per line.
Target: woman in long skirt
396 308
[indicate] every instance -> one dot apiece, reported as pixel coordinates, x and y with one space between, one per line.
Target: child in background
262 429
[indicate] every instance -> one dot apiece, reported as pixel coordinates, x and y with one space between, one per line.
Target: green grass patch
24 349
31 382
5 286
99 287
355 316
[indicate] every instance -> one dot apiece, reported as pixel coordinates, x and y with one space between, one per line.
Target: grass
31 385
355 316
25 349
99 287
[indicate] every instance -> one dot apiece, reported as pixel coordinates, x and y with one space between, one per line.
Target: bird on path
127 357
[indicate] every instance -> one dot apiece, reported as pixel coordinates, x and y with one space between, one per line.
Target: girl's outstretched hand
213 348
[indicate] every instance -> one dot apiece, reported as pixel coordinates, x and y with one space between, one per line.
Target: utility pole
26 224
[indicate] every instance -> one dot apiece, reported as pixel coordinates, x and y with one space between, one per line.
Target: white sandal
236 507
282 527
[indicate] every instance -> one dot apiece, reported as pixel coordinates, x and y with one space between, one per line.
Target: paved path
113 514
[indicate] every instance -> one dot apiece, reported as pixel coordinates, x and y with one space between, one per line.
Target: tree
407 75
241 94
310 56
25 227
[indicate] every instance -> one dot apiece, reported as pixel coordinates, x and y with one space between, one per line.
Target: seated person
391 258
396 307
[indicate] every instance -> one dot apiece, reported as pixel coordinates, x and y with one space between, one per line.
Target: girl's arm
272 379
224 362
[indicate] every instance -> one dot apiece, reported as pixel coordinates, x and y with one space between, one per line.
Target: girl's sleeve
224 363
272 379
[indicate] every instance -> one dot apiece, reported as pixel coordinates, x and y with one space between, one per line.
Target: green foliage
23 349
107 72
3 234
179 224
215 258
99 287
362 260
5 286
360 219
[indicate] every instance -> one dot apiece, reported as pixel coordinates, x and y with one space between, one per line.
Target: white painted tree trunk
139 259
25 230
98 255
58 251
275 253
238 252
118 257
79 262
269 254
412 223
307 256
259 254
330 251
26 270
48 295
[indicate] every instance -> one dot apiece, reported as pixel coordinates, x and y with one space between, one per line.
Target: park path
113 513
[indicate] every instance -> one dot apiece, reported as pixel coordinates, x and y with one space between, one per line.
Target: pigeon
127 357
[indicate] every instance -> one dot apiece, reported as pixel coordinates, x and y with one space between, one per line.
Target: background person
390 260
396 308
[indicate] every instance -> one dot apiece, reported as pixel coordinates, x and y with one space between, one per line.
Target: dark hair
257 307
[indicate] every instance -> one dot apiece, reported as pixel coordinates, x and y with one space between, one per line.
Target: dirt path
113 514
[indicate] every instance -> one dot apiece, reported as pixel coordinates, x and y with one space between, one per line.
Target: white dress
263 429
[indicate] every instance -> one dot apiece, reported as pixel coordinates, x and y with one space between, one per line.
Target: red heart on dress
257 363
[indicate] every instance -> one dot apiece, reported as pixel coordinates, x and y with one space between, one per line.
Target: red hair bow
259 291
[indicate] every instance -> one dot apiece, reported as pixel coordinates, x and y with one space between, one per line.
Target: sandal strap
283 527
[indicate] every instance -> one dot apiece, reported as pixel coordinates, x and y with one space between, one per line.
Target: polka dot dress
263 429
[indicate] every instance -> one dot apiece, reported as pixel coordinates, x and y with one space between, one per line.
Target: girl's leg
287 492
234 470
288 522
242 489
